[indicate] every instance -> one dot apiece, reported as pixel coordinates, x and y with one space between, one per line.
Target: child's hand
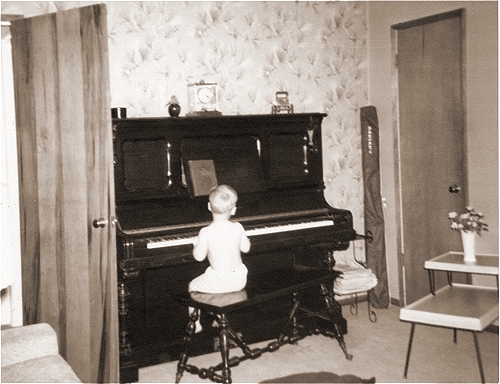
195 240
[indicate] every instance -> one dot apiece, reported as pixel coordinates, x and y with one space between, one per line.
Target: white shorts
215 281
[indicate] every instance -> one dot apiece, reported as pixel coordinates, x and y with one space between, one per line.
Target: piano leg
334 311
129 371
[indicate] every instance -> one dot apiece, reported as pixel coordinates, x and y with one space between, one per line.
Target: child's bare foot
198 327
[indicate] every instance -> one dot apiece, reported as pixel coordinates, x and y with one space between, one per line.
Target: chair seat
260 288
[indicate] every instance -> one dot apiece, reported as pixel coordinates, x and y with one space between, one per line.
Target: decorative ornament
174 109
469 224
282 104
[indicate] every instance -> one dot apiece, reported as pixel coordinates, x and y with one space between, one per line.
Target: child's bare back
222 242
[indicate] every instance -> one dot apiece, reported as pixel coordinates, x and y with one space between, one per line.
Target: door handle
99 223
454 188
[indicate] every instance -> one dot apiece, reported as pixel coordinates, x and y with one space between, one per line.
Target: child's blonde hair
223 199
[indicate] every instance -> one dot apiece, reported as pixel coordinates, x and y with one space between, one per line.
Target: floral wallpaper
317 51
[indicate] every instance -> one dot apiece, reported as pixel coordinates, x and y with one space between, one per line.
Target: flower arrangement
470 221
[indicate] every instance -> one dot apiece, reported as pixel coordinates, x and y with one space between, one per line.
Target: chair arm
28 342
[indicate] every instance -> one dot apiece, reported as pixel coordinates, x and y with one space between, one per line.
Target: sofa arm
28 342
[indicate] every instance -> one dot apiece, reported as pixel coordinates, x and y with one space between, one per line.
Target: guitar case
374 215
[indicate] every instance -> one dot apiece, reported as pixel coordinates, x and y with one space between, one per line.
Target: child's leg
198 328
193 287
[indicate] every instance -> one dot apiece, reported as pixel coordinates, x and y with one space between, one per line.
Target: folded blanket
353 279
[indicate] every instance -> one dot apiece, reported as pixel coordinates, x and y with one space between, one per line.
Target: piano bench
259 289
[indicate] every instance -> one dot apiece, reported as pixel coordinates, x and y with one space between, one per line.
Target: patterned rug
319 377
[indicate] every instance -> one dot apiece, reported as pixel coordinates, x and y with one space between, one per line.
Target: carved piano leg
129 371
334 310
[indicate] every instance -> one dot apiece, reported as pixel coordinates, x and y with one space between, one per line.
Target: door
66 188
431 145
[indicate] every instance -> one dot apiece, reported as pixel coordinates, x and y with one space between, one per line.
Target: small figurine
282 103
174 109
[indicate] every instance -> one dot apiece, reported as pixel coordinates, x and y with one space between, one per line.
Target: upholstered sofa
30 354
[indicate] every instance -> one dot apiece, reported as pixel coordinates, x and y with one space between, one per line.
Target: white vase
469 246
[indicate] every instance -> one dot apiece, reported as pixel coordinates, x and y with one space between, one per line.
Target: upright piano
274 162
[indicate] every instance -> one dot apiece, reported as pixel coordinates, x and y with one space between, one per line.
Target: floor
379 350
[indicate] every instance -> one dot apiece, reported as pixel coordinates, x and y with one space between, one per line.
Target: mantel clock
202 98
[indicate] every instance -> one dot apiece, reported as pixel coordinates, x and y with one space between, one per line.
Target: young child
222 243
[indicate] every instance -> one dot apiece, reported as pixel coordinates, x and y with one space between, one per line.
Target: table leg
432 283
478 353
412 331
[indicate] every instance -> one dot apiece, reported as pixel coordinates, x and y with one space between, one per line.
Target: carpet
379 351
319 377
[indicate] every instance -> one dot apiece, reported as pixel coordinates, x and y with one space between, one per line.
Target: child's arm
200 249
244 242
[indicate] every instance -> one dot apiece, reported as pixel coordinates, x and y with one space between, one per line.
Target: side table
458 306
486 264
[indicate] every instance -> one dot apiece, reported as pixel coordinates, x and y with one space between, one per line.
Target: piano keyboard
250 232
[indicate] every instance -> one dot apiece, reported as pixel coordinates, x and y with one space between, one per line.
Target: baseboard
395 302
348 299
493 328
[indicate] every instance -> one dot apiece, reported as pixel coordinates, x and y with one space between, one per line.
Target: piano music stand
260 288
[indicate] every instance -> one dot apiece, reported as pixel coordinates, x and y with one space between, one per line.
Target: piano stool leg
330 306
412 332
224 349
190 329
292 321
478 354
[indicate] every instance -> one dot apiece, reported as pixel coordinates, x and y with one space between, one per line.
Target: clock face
206 95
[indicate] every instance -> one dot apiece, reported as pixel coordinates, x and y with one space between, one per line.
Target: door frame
396 129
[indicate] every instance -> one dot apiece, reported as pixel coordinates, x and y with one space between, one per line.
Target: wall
317 51
12 308
481 41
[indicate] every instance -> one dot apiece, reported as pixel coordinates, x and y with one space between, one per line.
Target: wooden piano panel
275 164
